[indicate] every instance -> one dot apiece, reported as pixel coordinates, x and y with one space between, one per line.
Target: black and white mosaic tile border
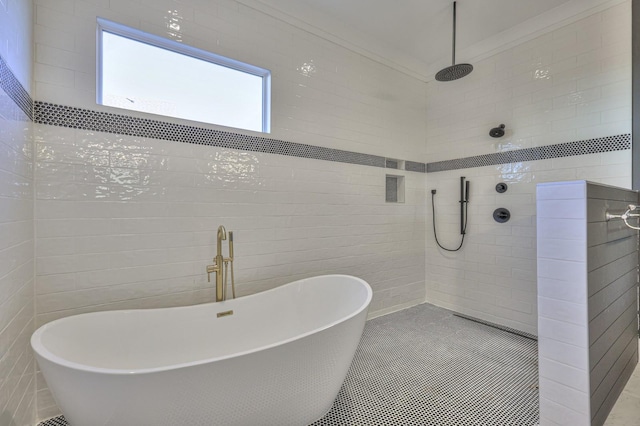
78 118
412 166
589 146
66 116
55 421
12 87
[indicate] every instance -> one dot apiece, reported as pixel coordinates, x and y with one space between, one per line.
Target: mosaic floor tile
426 366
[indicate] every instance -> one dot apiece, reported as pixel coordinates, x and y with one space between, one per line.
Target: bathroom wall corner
17 242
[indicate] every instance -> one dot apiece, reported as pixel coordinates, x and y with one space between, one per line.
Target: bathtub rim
41 350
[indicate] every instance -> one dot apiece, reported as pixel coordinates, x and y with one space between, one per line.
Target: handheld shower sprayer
466 193
464 199
464 207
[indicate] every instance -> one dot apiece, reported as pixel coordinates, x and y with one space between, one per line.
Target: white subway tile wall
322 94
126 222
17 397
563 340
17 367
567 85
129 222
571 84
116 225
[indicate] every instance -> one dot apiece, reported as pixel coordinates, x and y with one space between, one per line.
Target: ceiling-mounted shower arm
453 53
454 72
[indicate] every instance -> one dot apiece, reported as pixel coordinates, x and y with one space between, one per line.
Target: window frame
105 25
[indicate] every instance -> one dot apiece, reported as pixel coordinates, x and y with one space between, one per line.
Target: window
143 72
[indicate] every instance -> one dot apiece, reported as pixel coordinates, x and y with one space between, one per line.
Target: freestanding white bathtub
280 359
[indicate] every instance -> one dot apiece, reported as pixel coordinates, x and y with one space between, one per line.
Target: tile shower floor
425 366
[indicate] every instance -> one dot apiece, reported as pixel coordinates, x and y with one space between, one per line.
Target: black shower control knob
501 187
501 215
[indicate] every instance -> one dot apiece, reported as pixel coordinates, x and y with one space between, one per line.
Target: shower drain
424 366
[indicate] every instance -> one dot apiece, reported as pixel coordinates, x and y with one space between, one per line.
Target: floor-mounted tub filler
274 358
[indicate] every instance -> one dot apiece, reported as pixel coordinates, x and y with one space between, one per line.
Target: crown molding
544 23
572 11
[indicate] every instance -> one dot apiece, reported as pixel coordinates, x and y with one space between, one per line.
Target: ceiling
415 36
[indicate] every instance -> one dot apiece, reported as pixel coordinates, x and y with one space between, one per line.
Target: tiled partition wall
587 300
17 379
569 85
612 303
130 221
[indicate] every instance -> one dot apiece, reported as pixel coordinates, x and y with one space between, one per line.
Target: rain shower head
455 71
497 132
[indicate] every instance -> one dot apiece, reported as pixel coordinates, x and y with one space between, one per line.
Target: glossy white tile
17 381
561 95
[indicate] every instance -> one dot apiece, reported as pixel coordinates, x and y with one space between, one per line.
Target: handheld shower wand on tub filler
217 267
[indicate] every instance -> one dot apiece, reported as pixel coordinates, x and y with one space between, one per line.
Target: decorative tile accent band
60 115
12 87
54 421
412 166
77 118
589 146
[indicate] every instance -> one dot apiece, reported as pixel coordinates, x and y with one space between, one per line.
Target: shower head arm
453 51
454 72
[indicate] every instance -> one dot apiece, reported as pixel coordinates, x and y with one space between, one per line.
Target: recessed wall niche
394 189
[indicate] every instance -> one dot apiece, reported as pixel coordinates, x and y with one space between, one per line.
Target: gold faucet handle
210 270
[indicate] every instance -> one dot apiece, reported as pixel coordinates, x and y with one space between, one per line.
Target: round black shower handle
501 215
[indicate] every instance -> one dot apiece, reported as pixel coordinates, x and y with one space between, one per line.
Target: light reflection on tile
307 69
123 176
173 23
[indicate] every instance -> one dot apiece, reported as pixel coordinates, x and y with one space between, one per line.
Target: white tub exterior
280 359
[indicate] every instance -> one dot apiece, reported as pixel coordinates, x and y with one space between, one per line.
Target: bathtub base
292 382
256 389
